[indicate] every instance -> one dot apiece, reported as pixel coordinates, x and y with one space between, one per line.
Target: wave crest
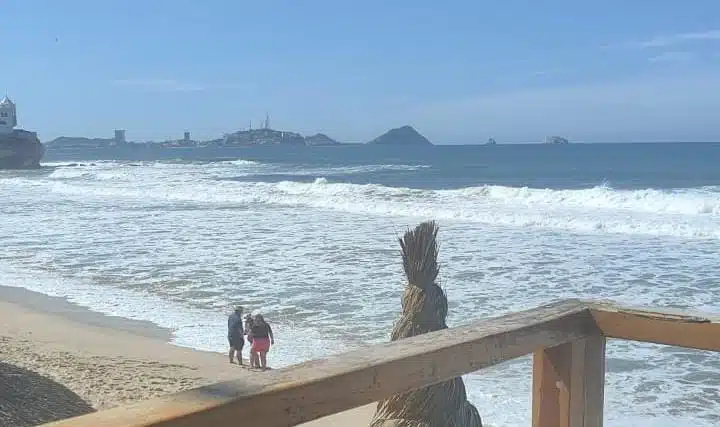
682 212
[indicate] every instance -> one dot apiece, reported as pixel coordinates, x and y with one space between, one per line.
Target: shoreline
60 306
109 361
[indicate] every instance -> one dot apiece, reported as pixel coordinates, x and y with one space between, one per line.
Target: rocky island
405 135
19 149
556 140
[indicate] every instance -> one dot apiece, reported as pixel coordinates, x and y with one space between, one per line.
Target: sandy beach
105 361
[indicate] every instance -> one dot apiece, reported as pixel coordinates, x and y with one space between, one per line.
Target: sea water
308 237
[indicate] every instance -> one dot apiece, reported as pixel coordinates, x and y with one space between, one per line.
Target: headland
405 136
19 149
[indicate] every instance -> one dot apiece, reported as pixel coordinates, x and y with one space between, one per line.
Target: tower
186 137
8 115
119 136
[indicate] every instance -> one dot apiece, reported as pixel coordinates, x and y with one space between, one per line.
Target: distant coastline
404 135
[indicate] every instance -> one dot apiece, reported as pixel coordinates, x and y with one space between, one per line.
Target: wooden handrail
567 339
688 329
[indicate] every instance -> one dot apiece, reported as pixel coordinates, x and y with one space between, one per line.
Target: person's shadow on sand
29 399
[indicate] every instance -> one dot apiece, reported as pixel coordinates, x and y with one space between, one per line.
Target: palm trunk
424 309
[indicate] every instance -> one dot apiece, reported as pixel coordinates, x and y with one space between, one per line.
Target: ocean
308 237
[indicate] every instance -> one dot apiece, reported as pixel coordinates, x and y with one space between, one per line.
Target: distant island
405 135
556 140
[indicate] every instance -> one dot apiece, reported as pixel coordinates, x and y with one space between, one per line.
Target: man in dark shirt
235 335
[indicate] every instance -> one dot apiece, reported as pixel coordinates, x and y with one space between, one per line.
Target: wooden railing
567 340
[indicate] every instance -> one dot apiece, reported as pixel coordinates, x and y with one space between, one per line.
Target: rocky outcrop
405 135
556 140
320 139
263 137
20 149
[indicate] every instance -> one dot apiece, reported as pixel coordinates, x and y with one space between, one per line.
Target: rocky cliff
405 135
20 149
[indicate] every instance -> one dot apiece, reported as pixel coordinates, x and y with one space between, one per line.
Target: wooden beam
670 327
318 388
569 383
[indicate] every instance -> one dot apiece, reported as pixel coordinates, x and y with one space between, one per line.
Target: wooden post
568 384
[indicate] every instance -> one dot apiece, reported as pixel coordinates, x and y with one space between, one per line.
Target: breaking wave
679 212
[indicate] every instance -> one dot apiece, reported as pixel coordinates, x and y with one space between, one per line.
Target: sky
458 71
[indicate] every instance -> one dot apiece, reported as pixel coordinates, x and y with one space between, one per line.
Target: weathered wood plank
547 376
670 327
587 382
318 388
569 383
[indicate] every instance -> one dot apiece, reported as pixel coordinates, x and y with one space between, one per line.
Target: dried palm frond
424 309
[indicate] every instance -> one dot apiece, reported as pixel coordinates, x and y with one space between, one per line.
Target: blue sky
459 71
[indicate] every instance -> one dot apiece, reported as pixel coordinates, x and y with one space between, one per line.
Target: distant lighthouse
8 115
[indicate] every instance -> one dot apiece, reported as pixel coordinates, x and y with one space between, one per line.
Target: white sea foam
172 244
241 162
681 213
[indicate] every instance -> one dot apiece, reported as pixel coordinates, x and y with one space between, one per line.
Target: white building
8 115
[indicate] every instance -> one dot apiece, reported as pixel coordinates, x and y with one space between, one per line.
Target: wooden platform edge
566 337
322 387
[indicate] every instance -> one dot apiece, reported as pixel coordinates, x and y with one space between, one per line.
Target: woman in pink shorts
262 339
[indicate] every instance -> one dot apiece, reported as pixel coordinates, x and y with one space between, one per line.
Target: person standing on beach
235 335
262 338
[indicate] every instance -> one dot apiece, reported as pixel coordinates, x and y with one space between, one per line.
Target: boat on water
556 140
19 148
490 141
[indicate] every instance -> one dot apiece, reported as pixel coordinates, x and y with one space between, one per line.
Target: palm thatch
424 309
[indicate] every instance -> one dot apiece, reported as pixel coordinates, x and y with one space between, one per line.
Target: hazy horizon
443 143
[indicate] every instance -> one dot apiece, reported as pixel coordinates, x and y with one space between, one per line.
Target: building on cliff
19 149
8 115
